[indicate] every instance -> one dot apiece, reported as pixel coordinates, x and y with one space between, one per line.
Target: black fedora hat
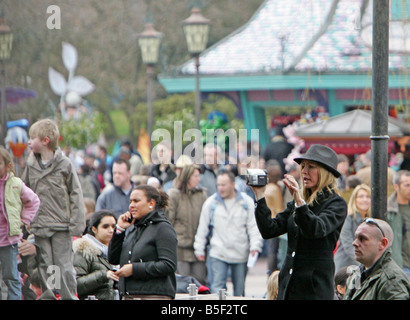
323 155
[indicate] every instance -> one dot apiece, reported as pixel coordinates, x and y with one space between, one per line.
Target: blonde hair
352 207
8 160
326 181
273 286
46 128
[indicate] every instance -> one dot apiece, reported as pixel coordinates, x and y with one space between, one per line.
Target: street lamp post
149 42
196 30
6 42
380 108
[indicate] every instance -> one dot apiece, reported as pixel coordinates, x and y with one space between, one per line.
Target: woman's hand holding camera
258 191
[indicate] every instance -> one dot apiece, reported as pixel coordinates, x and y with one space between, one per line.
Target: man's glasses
374 222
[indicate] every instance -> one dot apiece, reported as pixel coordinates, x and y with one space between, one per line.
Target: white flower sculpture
72 90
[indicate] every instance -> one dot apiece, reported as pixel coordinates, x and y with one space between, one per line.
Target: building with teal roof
300 53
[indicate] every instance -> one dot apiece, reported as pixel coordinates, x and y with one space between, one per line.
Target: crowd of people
113 227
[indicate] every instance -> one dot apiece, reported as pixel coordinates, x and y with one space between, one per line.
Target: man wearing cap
312 221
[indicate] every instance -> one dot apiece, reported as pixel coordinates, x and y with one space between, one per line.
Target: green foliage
217 102
121 123
186 116
180 107
218 120
78 133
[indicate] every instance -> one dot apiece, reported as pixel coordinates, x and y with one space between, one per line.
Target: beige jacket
183 213
59 189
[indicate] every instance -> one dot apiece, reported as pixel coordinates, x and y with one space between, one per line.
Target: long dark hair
160 197
96 218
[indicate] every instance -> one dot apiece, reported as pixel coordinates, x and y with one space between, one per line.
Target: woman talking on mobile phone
145 246
312 221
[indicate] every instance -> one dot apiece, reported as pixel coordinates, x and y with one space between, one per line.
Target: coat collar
36 158
238 197
322 196
392 204
151 217
324 193
121 191
378 265
375 273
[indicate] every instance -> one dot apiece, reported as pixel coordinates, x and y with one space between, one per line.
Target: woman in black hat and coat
313 221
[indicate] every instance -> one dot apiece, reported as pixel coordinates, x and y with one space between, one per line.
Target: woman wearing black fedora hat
313 221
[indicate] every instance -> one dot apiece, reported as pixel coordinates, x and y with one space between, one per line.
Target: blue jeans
8 261
220 274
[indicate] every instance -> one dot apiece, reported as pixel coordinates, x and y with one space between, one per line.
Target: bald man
378 277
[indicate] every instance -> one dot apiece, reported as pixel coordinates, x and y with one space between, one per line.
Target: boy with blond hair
52 176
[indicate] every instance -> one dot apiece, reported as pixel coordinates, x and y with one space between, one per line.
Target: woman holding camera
312 221
145 246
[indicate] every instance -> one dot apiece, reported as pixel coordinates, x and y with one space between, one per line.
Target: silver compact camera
256 177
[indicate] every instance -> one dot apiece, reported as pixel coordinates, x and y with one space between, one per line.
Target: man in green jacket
378 277
398 216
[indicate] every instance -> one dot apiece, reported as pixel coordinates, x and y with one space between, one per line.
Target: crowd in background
208 254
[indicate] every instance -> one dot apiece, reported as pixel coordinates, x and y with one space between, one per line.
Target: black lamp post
380 108
196 30
149 42
6 43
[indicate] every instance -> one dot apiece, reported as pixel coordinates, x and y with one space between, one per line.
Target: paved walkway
256 280
255 285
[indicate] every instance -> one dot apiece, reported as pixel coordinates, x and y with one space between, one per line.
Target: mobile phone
130 219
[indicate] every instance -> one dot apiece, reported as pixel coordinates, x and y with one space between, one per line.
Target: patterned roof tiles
295 35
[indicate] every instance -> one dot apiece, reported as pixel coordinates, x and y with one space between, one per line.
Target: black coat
278 149
313 231
151 246
156 172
